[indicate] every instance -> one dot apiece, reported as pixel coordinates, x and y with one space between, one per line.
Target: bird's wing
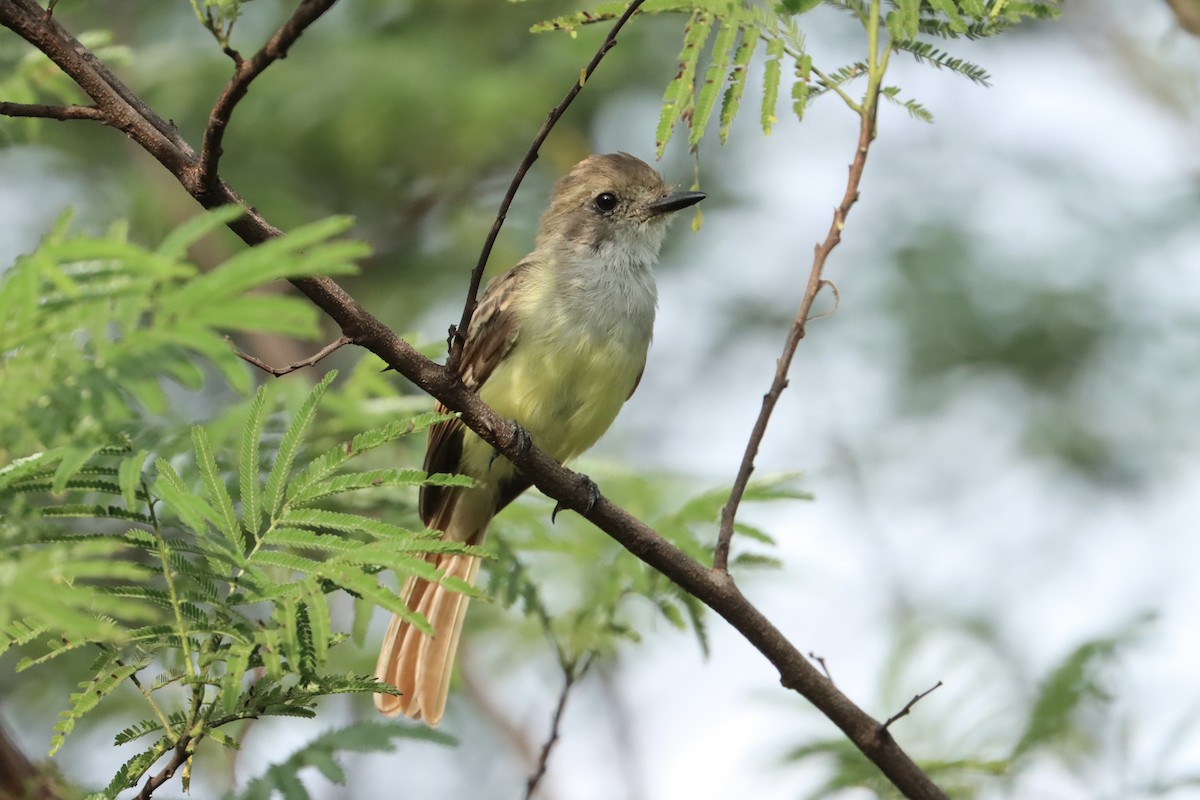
490 338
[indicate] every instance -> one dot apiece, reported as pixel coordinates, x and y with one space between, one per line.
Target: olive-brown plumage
556 344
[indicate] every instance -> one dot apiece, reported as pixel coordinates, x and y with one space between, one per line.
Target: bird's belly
566 397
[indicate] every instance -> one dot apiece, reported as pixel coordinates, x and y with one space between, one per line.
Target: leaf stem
163 557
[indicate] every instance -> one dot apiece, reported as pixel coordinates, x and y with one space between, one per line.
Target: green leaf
928 54
303 251
73 460
130 478
321 752
177 242
948 8
288 446
327 463
248 464
677 100
218 493
109 673
797 6
772 76
706 98
137 731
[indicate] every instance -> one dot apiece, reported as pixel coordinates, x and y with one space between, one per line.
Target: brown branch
909 705
571 674
243 74
713 588
816 282
1188 14
179 756
21 779
51 112
295 365
458 334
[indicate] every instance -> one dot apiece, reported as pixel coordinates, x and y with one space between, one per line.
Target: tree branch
816 282
571 674
21 779
715 589
243 74
458 334
51 112
179 755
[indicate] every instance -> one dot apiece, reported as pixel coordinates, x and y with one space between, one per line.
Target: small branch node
909 705
824 667
280 371
837 300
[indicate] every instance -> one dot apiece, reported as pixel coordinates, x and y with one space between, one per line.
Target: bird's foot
593 496
521 439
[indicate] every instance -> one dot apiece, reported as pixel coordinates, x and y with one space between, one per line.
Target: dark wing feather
491 336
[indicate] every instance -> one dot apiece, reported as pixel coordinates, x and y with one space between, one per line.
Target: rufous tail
419 665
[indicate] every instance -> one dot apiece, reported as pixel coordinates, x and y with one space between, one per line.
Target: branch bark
816 282
715 589
21 779
50 112
308 12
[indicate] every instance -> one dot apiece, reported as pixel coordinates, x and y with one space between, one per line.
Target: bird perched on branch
557 344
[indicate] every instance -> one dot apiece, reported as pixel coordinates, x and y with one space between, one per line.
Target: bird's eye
606 201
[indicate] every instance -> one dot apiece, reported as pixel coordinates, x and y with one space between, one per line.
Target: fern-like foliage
726 34
91 327
321 754
204 582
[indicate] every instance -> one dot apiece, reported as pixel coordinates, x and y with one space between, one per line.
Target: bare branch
295 365
571 675
713 588
821 253
51 112
21 779
909 705
179 755
243 74
458 334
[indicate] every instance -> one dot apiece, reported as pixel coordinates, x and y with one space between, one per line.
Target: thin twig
243 74
909 705
815 282
179 755
458 334
571 675
51 112
295 365
821 660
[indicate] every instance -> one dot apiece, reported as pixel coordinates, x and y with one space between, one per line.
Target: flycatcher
557 344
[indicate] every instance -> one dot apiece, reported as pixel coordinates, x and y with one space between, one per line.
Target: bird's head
613 203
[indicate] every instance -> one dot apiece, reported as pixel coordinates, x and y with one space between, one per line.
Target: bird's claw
593 496
521 439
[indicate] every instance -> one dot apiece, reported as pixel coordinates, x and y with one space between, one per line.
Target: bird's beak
673 201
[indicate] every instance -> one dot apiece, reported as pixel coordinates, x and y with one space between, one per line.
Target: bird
557 344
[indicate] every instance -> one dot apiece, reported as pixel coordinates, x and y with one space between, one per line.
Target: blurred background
998 425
